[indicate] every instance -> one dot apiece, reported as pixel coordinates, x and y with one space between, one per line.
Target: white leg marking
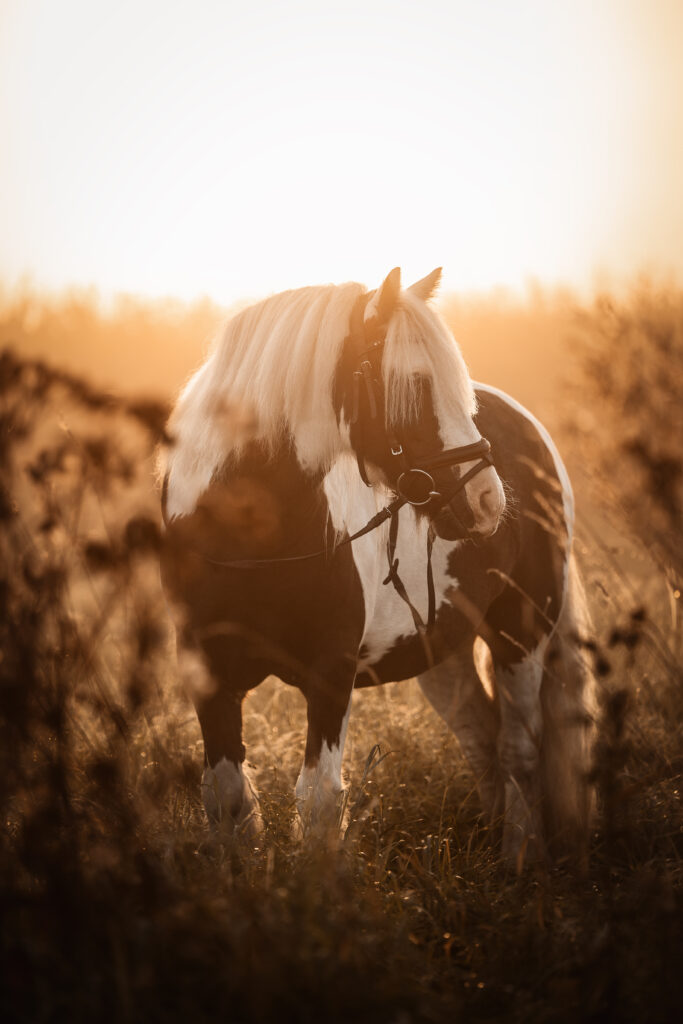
319 786
230 799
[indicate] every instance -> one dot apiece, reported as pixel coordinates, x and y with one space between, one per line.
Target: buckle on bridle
424 480
416 485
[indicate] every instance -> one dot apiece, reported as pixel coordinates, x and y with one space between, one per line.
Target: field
120 905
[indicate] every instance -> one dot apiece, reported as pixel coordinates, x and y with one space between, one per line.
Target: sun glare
233 150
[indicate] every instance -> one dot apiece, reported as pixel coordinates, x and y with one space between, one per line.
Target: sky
235 149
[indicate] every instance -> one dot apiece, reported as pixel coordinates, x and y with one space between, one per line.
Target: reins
388 512
414 483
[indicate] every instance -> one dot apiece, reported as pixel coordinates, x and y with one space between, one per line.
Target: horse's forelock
419 342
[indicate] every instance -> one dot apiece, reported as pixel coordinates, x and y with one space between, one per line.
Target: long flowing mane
270 376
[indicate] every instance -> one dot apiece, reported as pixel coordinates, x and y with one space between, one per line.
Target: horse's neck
279 469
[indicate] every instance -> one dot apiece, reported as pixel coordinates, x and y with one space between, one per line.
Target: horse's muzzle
470 516
453 523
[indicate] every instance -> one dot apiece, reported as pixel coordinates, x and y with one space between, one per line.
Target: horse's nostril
489 502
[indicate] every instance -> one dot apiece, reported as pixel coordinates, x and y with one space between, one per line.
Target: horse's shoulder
260 505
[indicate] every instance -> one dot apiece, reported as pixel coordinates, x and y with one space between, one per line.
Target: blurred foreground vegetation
118 905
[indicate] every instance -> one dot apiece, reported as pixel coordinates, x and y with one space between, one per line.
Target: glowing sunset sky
238 148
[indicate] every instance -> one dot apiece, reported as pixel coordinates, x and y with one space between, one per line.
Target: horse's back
524 449
541 518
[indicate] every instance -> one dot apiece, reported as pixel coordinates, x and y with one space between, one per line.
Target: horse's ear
425 288
383 302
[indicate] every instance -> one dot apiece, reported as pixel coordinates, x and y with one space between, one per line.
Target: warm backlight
238 149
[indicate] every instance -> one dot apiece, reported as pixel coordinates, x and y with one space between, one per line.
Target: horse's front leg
319 790
229 798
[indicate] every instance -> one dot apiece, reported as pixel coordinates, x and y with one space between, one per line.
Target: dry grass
118 904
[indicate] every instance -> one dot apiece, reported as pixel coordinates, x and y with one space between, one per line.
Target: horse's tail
568 701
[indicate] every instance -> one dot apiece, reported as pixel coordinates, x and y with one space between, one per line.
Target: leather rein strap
389 512
365 383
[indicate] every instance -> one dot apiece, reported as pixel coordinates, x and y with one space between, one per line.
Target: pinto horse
344 508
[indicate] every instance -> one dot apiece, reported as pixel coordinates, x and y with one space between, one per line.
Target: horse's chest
389 619
389 625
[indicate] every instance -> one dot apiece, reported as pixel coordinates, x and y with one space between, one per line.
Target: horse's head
409 403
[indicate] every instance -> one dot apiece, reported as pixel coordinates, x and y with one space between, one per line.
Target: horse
344 507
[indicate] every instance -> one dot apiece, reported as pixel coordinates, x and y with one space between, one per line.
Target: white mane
270 376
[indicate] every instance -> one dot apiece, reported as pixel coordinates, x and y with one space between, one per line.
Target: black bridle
414 483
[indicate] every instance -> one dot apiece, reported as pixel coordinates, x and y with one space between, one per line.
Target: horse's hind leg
456 693
518 676
568 698
545 692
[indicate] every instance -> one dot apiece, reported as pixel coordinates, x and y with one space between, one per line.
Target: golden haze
135 345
